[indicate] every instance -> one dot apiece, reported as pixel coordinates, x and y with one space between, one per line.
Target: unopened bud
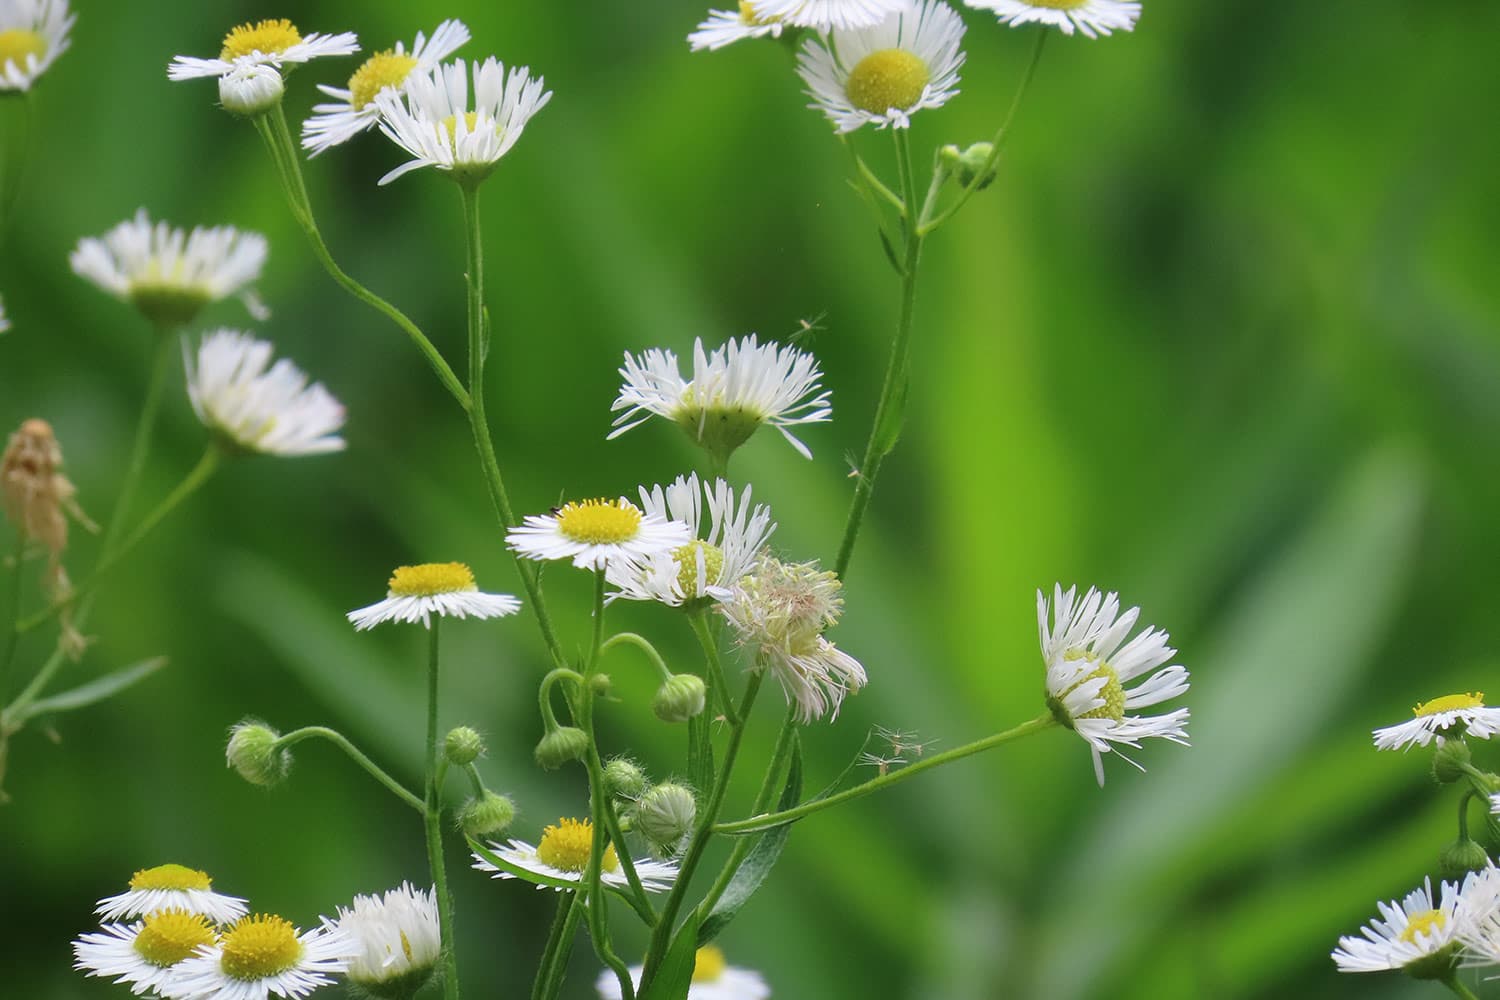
624 779
664 816
487 816
680 698
251 90
1461 857
560 746
463 746
253 753
1449 760
600 684
968 166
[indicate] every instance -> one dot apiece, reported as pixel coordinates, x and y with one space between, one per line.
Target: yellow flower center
430 579
1057 4
687 560
1113 691
1427 922
709 964
1449 703
599 522
18 43
384 69
170 877
269 37
749 17
259 947
890 78
566 847
450 124
169 936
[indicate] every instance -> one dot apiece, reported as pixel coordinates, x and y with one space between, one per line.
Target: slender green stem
565 906
638 898
1463 812
432 812
161 362
1451 981
558 970
641 643
13 611
717 677
766 821
291 739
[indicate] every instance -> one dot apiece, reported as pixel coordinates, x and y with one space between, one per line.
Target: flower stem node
561 745
680 698
624 779
665 816
253 753
490 815
1449 760
251 90
967 166
1461 857
463 746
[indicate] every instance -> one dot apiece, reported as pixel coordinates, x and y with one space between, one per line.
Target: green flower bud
487 816
463 746
561 745
680 698
966 164
1461 857
600 684
624 779
664 816
252 752
1448 761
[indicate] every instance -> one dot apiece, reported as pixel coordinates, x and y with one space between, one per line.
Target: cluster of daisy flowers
1427 937
171 935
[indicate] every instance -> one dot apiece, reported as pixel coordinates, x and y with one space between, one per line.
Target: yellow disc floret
599 522
1449 703
169 936
450 124
749 17
1057 4
259 947
269 37
18 43
384 69
177 877
687 561
566 847
430 579
709 964
890 78
1428 922
1113 692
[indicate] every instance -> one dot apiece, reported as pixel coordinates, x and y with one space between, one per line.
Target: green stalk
1451 981
544 973
338 739
161 360
13 611
717 677
433 813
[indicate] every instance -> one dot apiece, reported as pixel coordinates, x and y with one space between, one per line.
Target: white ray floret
1407 934
1477 917
560 861
1091 18
4 320
397 937
171 887
237 392
827 15
884 74
416 593
33 33
1088 669
147 954
354 109
433 122
725 27
596 533
261 955
1449 716
713 979
272 42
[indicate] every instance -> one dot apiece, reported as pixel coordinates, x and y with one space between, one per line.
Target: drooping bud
664 816
561 745
487 816
968 165
624 779
1461 857
251 90
680 698
253 753
463 746
1448 761
600 684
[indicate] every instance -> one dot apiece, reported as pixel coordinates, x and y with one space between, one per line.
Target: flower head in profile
1088 669
147 954
882 75
1415 936
168 274
33 33
433 122
416 593
354 110
826 15
1091 18
1452 715
171 887
561 859
259 955
713 979
257 406
709 565
725 27
273 42
596 533
396 937
732 391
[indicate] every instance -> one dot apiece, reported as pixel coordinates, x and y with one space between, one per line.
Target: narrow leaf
675 977
95 691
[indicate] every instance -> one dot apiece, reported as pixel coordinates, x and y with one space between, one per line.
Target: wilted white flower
260 955
418 592
397 938
272 42
171 887
713 979
250 89
1451 715
725 27
1091 17
1415 936
826 15
144 955
272 411
561 859
33 33
596 533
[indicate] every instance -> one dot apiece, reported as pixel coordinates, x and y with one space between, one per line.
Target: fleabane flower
725 27
1416 936
561 859
416 593
354 109
1088 668
826 15
432 120
259 955
396 937
171 887
1477 915
144 955
274 42
257 406
33 33
1092 18
169 275
713 979
732 391
1449 716
596 533
708 566
882 75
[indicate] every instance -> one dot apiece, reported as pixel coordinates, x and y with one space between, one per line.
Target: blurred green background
1225 337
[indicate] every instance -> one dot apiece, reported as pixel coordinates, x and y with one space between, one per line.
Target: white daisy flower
146 954
883 75
713 979
260 955
168 274
561 859
595 533
354 109
1088 668
827 15
171 887
1463 714
433 123
417 592
731 392
725 27
1415 936
397 938
33 33
1090 17
1478 915
275 412
703 568
273 42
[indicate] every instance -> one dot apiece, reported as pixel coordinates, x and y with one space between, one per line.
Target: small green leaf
889 431
675 977
95 691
